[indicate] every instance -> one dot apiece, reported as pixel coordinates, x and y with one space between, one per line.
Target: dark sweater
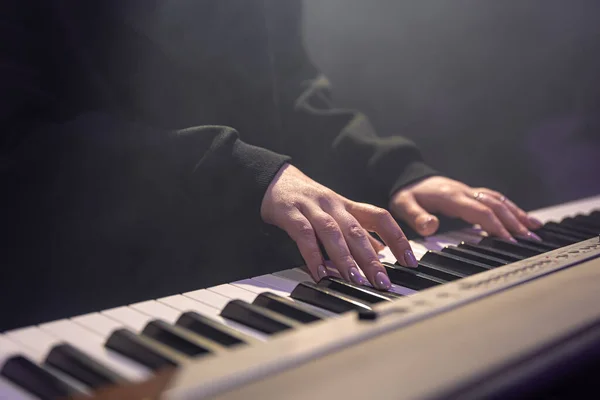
123 180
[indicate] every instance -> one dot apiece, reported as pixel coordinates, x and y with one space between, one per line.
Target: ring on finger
478 196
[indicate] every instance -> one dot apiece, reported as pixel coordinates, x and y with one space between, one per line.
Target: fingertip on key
382 281
355 276
533 236
534 222
321 272
410 260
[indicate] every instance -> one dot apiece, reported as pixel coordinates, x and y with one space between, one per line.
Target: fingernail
410 260
355 276
382 281
321 272
535 222
533 236
512 240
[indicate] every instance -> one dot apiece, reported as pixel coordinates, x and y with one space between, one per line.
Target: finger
380 221
377 245
506 215
302 232
362 251
329 233
420 220
529 221
475 212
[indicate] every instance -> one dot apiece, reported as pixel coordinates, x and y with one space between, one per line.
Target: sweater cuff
412 173
258 167
231 179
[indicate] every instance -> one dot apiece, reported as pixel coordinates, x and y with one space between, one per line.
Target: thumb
416 216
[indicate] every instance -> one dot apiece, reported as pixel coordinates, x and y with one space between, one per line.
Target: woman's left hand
496 214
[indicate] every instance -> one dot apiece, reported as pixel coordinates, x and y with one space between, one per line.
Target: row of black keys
161 344
455 262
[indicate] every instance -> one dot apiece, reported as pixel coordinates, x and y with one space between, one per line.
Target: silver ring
478 196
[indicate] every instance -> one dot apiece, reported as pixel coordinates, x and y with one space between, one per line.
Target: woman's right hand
310 212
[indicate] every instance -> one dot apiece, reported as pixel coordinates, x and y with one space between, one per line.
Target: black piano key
257 317
176 339
454 263
360 292
286 307
438 272
570 224
541 246
410 278
210 329
77 364
516 248
25 373
475 256
326 298
557 238
504 255
580 236
585 220
140 349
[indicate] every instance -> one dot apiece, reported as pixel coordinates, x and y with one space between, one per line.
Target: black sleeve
207 159
338 147
94 204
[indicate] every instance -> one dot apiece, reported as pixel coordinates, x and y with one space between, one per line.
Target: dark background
504 94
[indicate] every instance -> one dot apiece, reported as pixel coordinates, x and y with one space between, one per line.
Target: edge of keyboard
213 376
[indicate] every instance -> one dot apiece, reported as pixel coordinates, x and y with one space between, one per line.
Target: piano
479 318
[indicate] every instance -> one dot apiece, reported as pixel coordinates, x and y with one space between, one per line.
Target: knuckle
399 238
305 231
356 232
486 213
372 266
346 261
497 206
446 189
381 214
328 226
314 256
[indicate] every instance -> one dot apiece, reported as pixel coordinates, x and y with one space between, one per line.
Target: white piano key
402 290
92 344
183 304
7 349
259 287
234 292
98 323
10 391
157 310
207 297
129 317
10 348
570 209
284 284
34 339
294 274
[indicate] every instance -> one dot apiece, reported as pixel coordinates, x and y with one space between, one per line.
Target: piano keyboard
131 343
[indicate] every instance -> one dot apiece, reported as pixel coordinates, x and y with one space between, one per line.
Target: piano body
480 318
